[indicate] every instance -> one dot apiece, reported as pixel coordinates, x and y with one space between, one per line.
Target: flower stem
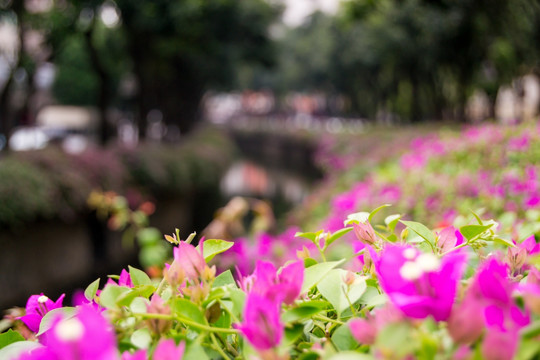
325 318
455 248
189 323
218 348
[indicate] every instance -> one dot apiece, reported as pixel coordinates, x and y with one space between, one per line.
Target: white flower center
69 330
409 253
42 299
428 262
410 270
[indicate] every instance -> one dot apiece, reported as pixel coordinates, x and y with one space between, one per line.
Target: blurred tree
179 49
175 50
421 59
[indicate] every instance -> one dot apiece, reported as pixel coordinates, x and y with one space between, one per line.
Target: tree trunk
104 87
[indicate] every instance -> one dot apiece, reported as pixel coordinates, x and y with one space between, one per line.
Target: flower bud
174 274
158 306
516 258
365 233
303 254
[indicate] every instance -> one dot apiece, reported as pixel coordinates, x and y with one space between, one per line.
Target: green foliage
10 337
75 83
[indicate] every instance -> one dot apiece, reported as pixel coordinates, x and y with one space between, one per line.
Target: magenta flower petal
168 350
36 308
87 336
419 284
125 279
291 279
499 345
262 325
363 331
191 261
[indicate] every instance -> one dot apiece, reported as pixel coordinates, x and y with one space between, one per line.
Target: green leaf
341 296
91 290
293 333
308 262
110 295
186 309
528 349
194 351
391 221
304 312
477 218
396 339
215 294
224 320
359 217
372 298
138 277
47 321
471 231
127 297
343 338
503 241
421 230
139 305
238 298
531 330
315 273
10 337
141 338
372 214
312 236
336 235
15 350
224 279
212 247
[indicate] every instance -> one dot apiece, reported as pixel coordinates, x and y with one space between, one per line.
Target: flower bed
466 293
443 175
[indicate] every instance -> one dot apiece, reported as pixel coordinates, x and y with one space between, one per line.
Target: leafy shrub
50 183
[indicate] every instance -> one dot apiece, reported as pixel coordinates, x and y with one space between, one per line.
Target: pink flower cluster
266 291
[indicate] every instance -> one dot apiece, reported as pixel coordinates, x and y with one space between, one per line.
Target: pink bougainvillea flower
137 355
285 286
499 345
262 325
419 284
449 238
125 279
79 299
363 330
168 350
86 336
489 304
191 261
158 306
466 324
531 291
36 308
